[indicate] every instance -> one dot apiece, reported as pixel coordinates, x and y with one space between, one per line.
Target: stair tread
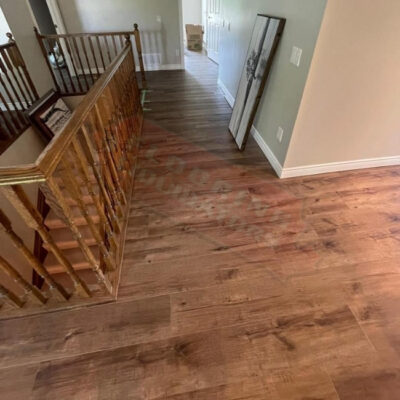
64 239
52 221
75 257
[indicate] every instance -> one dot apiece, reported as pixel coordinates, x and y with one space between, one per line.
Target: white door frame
181 36
56 16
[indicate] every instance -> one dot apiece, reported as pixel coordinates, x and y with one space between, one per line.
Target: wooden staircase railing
86 176
77 60
17 93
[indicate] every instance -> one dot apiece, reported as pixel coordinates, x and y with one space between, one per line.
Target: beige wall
351 104
282 97
162 38
19 18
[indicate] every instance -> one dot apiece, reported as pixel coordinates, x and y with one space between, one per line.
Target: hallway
235 284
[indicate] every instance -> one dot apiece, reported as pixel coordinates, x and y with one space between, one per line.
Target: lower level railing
86 177
17 94
77 60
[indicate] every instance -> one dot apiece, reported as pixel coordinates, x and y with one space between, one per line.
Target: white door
213 28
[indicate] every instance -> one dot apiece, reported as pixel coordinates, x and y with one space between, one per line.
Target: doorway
213 28
206 13
43 18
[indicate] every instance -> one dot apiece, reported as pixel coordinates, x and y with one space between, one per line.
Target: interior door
213 30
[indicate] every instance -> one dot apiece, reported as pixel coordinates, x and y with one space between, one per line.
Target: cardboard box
194 37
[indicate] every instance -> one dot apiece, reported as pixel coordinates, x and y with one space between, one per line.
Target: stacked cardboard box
194 37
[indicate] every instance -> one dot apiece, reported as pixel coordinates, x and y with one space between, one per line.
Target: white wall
351 104
281 100
192 13
158 21
4 28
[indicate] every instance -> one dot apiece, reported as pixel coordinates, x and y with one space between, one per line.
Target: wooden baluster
56 200
19 280
87 58
123 87
105 112
75 43
22 64
17 197
138 42
114 45
122 151
13 89
58 68
101 52
40 39
11 115
72 58
13 298
129 110
107 49
10 131
102 141
31 259
74 190
89 153
4 54
121 41
94 56
83 164
15 59
105 171
126 112
73 87
20 115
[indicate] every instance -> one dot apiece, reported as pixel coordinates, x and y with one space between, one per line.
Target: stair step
87 199
53 222
74 256
64 239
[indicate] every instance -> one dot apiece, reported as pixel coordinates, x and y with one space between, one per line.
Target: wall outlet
295 57
279 135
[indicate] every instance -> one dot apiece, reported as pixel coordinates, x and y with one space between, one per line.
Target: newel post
138 42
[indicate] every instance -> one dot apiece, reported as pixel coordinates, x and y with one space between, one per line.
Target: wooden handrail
94 154
49 158
86 34
51 155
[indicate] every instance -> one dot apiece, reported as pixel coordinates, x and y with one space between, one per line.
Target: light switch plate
295 57
158 18
279 134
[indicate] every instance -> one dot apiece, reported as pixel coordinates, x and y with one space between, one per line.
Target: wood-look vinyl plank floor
235 285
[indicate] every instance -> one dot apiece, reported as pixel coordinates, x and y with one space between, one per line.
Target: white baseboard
310 169
340 166
257 137
147 67
162 67
276 165
228 96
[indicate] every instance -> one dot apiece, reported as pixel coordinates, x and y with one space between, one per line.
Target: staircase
85 182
